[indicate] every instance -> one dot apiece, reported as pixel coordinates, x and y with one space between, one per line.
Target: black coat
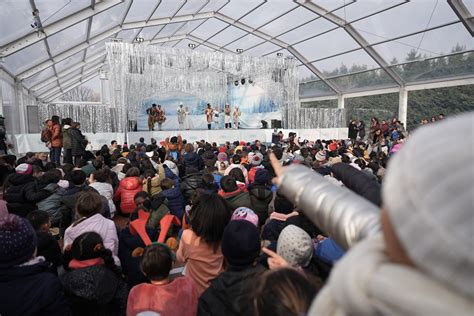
230 293
352 130
359 182
189 184
131 265
361 130
260 197
23 193
48 247
78 143
95 290
31 290
192 160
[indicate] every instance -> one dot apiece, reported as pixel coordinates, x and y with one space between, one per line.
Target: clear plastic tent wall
341 46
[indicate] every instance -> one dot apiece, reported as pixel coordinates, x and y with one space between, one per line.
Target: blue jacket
175 200
192 160
31 290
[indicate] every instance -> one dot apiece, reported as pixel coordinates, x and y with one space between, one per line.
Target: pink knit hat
246 214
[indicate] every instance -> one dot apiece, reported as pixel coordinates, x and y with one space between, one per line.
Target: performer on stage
160 116
216 117
227 113
187 122
152 114
181 114
236 116
209 115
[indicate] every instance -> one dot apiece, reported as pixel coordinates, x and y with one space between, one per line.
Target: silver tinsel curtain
94 118
138 71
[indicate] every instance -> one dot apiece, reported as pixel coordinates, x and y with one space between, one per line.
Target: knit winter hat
17 241
262 176
256 159
429 199
245 214
240 243
295 246
222 156
321 155
24 168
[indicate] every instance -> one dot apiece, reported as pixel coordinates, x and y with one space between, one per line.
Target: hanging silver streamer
138 72
94 118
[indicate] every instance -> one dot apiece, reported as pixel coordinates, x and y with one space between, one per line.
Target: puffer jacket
126 192
175 200
57 137
107 191
23 193
31 290
95 290
67 137
189 184
192 160
152 186
260 197
237 198
229 293
52 204
77 142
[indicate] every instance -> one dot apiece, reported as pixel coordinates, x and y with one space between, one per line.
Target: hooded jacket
125 193
237 198
95 290
56 135
260 197
152 186
23 194
189 184
31 290
229 293
192 160
77 142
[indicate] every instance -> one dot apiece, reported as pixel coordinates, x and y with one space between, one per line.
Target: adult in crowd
78 142
67 141
56 141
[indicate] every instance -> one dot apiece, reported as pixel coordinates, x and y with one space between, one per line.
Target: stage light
139 40
242 81
279 54
250 81
239 50
192 45
236 82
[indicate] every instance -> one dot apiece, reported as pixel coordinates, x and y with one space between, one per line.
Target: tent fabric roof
341 45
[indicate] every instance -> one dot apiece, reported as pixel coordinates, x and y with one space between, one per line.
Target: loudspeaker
276 123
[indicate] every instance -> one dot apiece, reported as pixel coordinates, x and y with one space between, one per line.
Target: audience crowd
296 227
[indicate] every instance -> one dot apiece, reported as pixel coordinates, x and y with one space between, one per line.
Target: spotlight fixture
250 81
192 45
242 81
279 54
239 50
236 82
139 40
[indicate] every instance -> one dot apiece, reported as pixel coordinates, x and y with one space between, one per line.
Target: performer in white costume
236 117
181 114
187 122
216 117
227 113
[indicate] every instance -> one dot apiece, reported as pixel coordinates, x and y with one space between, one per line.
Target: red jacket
56 136
126 192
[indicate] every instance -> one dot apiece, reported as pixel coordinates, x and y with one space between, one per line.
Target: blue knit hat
17 241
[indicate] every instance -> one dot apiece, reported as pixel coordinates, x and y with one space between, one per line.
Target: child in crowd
162 295
235 196
171 192
88 207
98 181
27 286
128 187
47 245
94 285
199 246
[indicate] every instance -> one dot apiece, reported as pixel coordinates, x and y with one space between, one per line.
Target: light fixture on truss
239 50
192 45
279 54
139 39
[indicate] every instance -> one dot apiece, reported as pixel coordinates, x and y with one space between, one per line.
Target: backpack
45 135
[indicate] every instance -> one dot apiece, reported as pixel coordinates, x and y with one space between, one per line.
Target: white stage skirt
31 142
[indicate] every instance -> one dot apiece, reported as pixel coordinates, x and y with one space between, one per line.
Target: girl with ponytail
94 284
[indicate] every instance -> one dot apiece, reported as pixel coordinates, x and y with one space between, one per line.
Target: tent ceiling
337 42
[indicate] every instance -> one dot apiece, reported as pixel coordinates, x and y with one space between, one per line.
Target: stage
31 142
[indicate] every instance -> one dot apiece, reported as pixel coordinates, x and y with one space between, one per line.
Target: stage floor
31 142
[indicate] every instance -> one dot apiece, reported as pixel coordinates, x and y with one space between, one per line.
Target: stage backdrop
254 104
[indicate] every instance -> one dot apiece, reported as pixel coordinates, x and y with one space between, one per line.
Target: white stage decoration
138 72
31 142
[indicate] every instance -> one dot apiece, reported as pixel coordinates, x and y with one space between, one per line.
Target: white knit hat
430 201
172 166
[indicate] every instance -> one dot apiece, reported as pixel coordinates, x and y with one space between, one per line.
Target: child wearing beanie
228 294
162 295
27 287
94 285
